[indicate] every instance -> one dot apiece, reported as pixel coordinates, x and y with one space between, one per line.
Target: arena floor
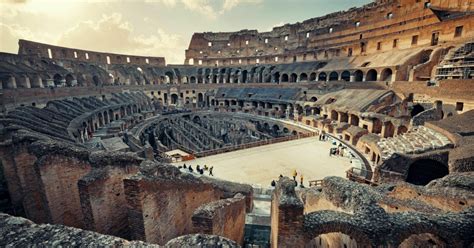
260 165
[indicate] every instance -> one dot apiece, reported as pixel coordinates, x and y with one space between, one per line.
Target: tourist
295 174
201 171
281 175
210 171
301 180
184 166
205 167
190 169
273 183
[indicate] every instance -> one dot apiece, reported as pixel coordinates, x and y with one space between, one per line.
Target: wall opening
423 171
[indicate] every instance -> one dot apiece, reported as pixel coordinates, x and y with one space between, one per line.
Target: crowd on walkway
199 169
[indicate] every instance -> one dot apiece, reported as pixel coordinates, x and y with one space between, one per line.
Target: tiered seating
419 139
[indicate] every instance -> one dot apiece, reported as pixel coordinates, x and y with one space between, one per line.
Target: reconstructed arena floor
260 165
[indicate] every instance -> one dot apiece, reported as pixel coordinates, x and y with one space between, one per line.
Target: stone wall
286 216
224 218
102 193
20 232
38 49
162 201
340 212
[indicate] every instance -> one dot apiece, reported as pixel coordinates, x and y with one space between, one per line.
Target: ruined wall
356 217
224 218
102 193
370 29
286 216
45 50
160 208
59 176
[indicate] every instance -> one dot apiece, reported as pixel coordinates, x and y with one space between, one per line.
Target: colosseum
353 129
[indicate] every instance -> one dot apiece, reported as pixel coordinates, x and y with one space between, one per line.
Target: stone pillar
287 215
11 83
296 114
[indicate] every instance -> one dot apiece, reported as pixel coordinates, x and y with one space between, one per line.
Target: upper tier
27 47
380 26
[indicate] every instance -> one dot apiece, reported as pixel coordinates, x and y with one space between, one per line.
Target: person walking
295 174
301 180
210 171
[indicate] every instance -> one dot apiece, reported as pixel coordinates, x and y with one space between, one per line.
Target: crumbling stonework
224 218
383 216
83 134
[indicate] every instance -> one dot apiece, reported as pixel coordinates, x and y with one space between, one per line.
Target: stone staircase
418 140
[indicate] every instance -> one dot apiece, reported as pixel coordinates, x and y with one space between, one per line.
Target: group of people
294 174
199 169
323 137
337 151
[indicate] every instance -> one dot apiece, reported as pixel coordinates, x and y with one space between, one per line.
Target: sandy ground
260 165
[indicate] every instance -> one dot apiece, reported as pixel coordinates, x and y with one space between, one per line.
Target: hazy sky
147 27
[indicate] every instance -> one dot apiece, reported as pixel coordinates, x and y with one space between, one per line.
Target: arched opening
333 76
174 99
313 99
389 130
334 115
214 79
276 77
200 97
422 240
423 171
402 130
95 80
386 75
322 76
69 80
169 77
275 130
358 76
303 77
293 78
334 239
371 75
312 76
416 109
57 79
284 78
346 76
192 80
244 76
354 120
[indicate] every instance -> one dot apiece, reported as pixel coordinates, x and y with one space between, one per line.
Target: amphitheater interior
89 139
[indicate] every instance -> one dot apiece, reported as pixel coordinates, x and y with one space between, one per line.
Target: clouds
206 8
10 34
113 34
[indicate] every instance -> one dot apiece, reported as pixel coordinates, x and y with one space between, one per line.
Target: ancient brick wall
33 197
161 208
103 200
12 181
59 175
448 91
286 216
224 218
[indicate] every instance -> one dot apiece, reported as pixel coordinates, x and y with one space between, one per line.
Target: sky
147 27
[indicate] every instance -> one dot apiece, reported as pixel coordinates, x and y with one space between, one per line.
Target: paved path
260 165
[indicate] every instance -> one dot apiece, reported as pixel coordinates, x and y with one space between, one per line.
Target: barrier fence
254 144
